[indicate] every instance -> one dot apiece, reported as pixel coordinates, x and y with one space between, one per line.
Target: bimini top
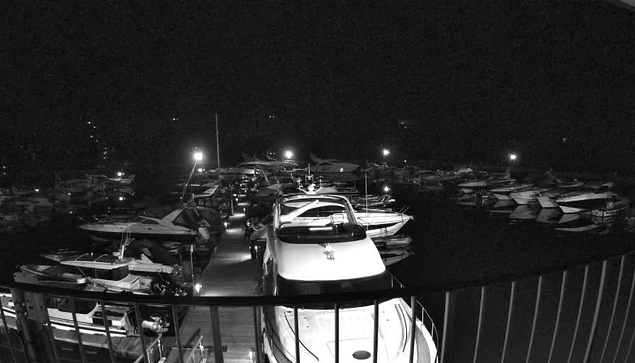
316 219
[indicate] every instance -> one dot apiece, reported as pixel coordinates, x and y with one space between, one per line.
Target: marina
430 182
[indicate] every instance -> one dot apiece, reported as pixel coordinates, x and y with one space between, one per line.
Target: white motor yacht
382 224
315 246
181 225
592 195
326 166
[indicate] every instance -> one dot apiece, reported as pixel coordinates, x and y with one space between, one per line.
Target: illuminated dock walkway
230 272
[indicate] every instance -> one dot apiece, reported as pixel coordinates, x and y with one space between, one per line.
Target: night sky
474 79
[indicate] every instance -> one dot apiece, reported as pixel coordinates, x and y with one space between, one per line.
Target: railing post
177 332
413 326
577 321
448 325
535 319
111 349
598 303
628 309
375 330
510 311
258 329
7 331
217 344
49 332
22 324
615 300
144 350
77 331
479 324
296 327
337 332
563 285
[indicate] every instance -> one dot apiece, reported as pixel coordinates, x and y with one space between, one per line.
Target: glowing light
386 189
198 286
405 161
121 198
37 190
198 156
200 170
225 224
512 157
288 154
386 152
119 173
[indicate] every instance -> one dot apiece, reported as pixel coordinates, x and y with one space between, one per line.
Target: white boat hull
547 202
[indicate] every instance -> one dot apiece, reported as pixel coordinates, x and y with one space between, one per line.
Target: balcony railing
583 314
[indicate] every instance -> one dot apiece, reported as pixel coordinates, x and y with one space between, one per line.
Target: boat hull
106 236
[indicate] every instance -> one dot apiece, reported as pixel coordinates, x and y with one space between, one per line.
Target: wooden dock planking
230 272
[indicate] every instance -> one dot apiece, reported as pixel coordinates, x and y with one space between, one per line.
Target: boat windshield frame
288 287
316 219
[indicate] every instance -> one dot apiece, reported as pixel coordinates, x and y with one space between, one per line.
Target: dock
230 272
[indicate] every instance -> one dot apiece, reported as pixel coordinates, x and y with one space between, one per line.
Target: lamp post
197 156
385 152
288 154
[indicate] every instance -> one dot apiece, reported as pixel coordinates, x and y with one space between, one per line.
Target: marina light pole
385 152
217 145
198 157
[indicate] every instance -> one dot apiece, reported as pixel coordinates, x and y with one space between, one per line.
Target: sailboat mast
217 144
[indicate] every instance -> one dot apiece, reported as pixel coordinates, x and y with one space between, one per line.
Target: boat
392 256
381 224
98 273
486 182
109 272
316 247
371 201
548 198
180 225
325 166
591 196
89 315
502 192
526 195
612 208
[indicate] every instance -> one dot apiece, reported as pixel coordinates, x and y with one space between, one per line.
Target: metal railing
583 314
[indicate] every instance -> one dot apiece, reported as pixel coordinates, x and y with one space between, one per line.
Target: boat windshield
316 221
288 287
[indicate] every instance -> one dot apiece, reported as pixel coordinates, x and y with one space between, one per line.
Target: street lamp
512 157
385 152
198 157
288 154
